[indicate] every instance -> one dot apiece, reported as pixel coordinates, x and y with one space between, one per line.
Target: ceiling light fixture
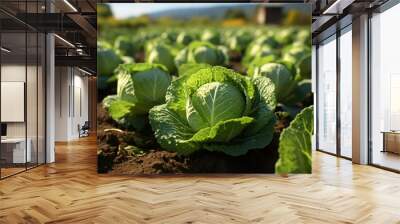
5 50
64 40
70 5
84 71
337 7
80 51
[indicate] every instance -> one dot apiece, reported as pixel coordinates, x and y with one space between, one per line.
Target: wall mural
204 88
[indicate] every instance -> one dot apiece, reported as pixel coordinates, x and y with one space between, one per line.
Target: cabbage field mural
213 89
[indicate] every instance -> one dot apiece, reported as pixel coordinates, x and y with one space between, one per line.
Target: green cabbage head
285 36
301 57
211 36
125 45
140 87
202 52
107 61
258 51
162 54
295 144
239 41
215 109
266 40
184 38
280 75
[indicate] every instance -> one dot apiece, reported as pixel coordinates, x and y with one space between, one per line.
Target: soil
114 158
159 161
104 121
154 162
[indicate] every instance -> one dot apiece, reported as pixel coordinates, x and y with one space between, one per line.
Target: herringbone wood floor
70 191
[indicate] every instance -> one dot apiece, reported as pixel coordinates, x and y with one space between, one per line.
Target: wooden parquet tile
70 191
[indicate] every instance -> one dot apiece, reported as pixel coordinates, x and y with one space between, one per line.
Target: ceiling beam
84 24
49 22
337 7
78 61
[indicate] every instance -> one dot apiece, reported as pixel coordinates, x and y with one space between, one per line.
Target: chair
84 130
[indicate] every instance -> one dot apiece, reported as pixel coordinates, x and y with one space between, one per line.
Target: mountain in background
216 12
212 12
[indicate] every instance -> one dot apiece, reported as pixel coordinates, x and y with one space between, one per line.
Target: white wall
33 126
12 73
71 102
62 81
16 73
80 108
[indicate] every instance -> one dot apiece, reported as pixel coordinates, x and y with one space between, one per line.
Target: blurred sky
124 10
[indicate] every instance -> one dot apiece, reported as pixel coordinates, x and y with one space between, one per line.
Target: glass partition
385 89
32 98
14 151
327 95
346 92
22 101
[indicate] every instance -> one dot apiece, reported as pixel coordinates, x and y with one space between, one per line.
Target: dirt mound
127 152
154 162
159 161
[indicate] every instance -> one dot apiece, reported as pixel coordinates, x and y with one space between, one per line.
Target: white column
314 91
50 94
360 90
